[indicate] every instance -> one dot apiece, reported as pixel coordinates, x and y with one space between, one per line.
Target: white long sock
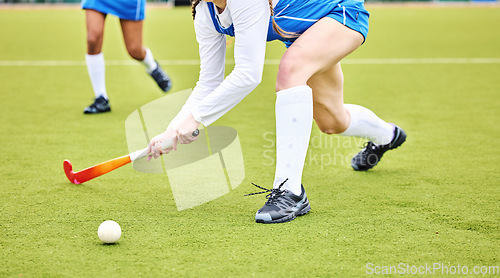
95 67
365 124
294 115
149 61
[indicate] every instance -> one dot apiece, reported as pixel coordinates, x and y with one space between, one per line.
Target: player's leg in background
132 35
95 31
95 61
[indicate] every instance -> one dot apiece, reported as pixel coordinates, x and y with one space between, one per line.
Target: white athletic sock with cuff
365 124
294 116
95 68
149 61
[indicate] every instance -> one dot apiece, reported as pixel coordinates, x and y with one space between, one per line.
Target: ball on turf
109 231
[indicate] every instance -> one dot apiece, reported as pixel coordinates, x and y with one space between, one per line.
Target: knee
94 42
136 51
332 129
291 72
334 122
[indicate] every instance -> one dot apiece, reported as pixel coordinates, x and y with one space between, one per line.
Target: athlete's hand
154 147
183 135
186 130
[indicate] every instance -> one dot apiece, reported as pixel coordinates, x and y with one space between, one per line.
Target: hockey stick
110 165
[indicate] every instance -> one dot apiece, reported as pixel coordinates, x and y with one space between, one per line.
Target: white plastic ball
109 231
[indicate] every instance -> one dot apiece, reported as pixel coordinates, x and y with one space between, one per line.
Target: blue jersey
123 9
297 16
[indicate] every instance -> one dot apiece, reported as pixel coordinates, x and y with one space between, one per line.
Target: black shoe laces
369 150
275 192
370 146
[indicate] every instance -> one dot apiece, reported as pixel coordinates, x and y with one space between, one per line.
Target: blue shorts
298 15
123 9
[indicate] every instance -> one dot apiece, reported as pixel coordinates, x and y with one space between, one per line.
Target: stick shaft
101 169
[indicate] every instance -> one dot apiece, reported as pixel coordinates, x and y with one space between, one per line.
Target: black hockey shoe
100 105
281 205
372 153
161 78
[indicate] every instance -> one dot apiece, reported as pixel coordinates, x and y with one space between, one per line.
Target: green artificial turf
435 200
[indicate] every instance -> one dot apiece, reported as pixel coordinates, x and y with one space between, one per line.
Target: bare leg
95 31
132 35
95 61
317 50
328 96
317 58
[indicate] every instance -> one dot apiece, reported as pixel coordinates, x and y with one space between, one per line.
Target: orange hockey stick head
68 170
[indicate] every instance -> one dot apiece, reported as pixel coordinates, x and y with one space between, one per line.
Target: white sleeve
212 48
251 20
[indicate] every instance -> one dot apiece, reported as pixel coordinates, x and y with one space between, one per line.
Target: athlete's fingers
183 140
150 147
191 137
156 150
167 150
150 151
187 138
174 143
